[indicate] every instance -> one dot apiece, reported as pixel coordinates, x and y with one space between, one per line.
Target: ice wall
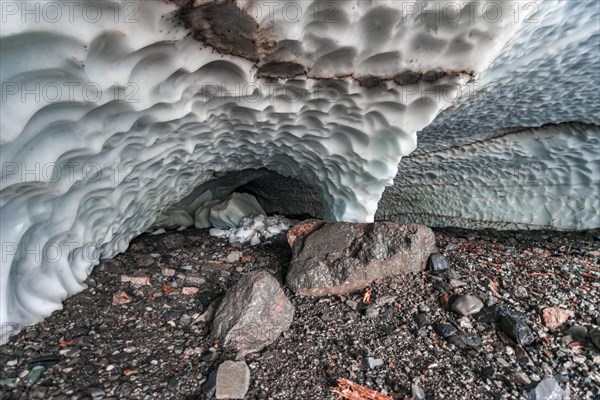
114 111
520 148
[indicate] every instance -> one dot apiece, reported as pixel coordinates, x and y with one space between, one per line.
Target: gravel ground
145 337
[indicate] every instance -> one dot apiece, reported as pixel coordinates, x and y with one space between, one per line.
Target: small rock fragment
373 362
595 337
372 312
234 256
467 305
417 392
136 280
233 380
437 263
189 290
35 374
555 317
578 331
491 314
445 330
210 386
121 298
516 329
520 292
549 389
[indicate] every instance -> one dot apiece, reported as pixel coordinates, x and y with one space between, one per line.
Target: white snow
253 230
105 123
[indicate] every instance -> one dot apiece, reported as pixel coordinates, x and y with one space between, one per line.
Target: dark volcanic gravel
157 345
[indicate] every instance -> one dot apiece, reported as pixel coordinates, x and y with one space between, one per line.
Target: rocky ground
140 330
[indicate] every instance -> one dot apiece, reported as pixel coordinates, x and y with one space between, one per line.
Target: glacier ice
122 121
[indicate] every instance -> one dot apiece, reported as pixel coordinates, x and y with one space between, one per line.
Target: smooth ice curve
154 100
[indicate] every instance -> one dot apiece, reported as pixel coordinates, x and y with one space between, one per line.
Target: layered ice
520 148
115 113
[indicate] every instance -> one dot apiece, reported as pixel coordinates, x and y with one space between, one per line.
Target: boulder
343 257
253 313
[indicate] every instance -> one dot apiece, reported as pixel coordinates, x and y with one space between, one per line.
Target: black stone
172 384
491 314
516 329
124 390
210 386
437 262
445 330
422 319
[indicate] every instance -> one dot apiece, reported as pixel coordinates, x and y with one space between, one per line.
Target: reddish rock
136 280
302 229
121 298
555 317
343 257
189 290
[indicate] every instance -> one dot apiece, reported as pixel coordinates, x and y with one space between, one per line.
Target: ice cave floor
145 338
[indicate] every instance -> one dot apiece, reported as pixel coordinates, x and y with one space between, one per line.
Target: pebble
417 392
467 305
95 393
465 323
9 383
352 304
124 390
372 312
35 374
210 386
234 256
456 283
595 337
437 263
578 331
491 314
445 330
555 317
422 319
233 380
373 362
520 292
549 389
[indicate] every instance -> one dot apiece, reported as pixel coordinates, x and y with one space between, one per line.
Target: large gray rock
253 313
343 257
233 380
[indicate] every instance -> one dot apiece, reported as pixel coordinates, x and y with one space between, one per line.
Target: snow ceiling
122 115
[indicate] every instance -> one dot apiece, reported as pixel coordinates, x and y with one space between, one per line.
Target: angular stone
467 305
437 262
253 313
555 317
516 329
233 380
595 337
445 330
549 389
343 257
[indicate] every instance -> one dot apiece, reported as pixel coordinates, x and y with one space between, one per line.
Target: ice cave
122 117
